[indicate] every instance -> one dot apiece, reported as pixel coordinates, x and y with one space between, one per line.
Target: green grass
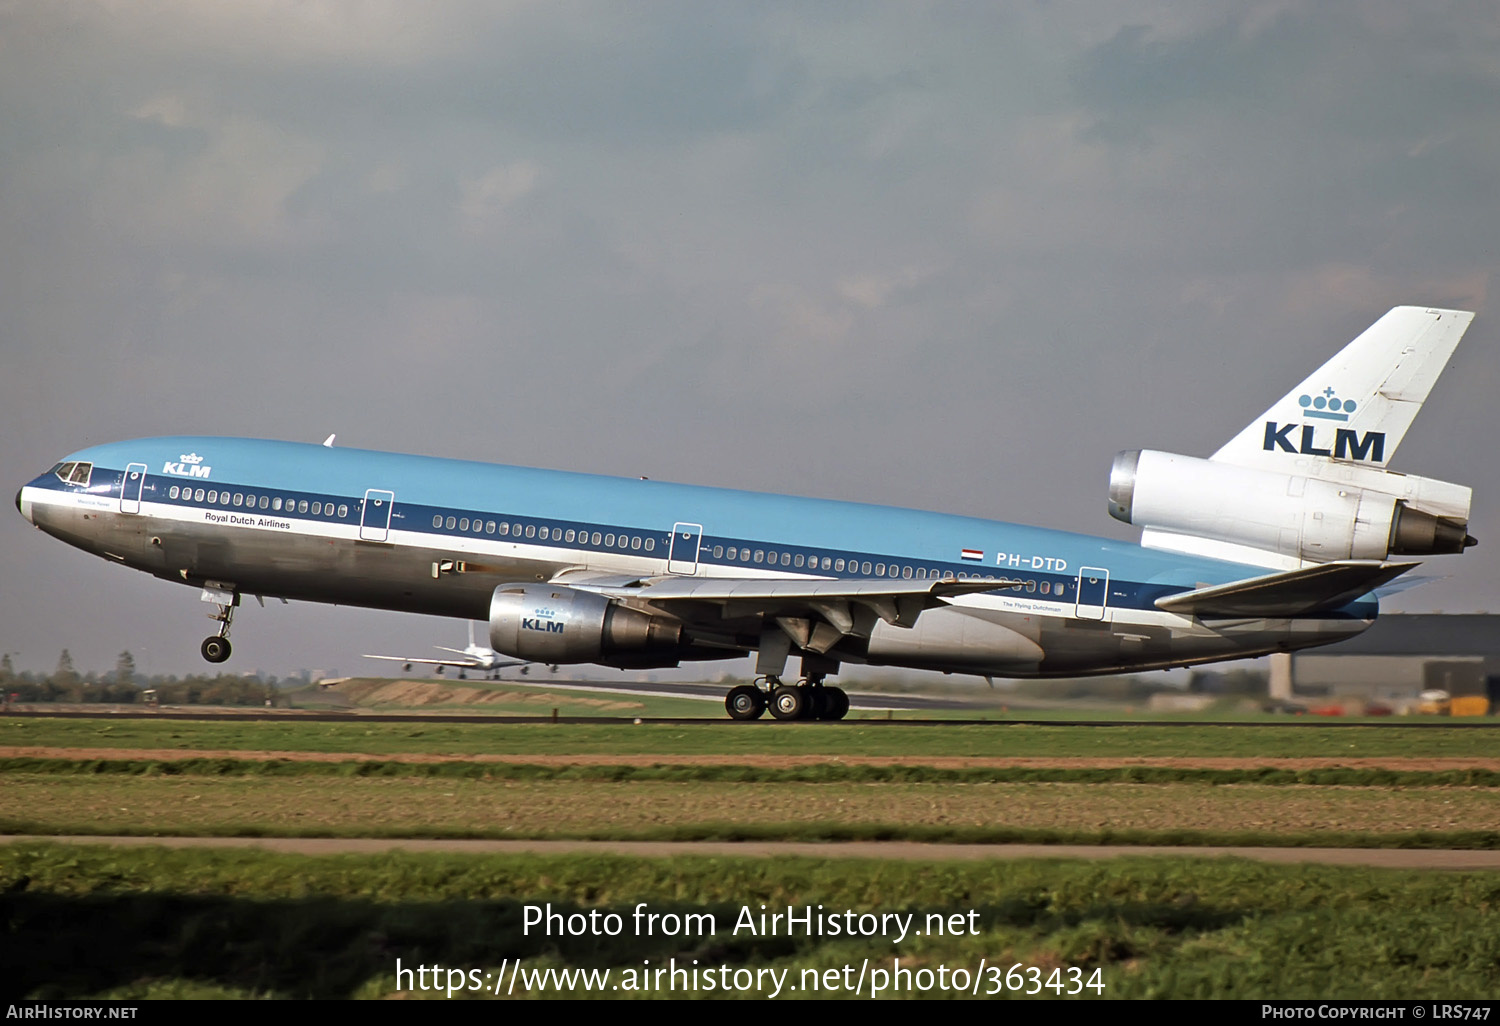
686 772
140 923
762 737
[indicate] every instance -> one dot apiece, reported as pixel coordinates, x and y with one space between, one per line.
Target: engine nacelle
550 624
1338 512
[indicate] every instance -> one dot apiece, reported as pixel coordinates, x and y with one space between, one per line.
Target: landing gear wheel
788 703
838 703
215 649
745 702
817 702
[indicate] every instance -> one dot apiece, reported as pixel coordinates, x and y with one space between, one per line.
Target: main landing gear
217 648
809 699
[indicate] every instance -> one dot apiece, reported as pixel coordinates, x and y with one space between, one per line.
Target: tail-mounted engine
1338 511
550 624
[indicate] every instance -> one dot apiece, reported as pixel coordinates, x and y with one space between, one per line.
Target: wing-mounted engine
1333 511
547 623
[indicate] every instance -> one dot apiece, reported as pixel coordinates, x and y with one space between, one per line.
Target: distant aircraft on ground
1277 542
471 657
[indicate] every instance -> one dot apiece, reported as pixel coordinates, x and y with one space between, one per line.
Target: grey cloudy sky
946 256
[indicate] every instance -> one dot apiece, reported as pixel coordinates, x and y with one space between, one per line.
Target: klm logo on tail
1347 445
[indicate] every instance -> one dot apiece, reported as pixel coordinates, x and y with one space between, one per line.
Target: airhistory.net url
863 980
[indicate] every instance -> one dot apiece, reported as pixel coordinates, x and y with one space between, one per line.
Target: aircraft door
1093 592
683 556
130 488
375 517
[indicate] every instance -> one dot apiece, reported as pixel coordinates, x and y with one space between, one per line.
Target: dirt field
776 761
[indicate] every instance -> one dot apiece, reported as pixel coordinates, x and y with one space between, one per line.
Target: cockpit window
73 473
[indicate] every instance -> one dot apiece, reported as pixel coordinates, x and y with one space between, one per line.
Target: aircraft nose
20 505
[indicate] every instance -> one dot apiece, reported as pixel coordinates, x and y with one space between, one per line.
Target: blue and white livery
1274 543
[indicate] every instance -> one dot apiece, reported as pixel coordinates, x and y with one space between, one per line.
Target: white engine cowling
551 624
1339 512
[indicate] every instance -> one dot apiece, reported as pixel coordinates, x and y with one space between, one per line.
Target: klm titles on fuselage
187 465
1347 444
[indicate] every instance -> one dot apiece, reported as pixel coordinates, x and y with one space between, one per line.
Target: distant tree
7 668
125 668
65 675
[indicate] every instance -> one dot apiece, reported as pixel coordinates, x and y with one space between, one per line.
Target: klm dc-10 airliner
1277 542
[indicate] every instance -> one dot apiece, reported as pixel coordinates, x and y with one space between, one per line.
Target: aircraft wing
463 664
1293 593
815 613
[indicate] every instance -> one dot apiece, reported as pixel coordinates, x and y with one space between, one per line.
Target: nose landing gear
217 648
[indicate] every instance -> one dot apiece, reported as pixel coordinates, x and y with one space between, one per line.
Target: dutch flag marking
974 555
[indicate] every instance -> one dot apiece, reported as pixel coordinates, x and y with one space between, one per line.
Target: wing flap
1294 593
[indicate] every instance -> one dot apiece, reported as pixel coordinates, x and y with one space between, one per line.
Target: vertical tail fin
1359 405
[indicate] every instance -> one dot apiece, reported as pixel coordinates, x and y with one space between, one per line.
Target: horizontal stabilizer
1294 593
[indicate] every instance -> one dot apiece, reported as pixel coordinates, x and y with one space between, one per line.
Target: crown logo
195 459
1326 406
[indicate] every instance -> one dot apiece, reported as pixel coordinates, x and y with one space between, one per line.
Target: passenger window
718 552
596 538
317 509
570 535
609 540
799 559
275 503
437 520
173 492
452 523
650 544
906 572
343 510
1030 586
879 569
489 527
760 554
732 553
921 573
828 563
265 502
239 499
198 495
213 496
505 528
635 542
463 525
1061 588
302 506
1046 587
771 557
531 530
864 567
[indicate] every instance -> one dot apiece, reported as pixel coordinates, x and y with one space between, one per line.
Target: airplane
1277 542
471 657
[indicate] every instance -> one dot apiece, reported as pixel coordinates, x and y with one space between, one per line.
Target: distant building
1399 657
